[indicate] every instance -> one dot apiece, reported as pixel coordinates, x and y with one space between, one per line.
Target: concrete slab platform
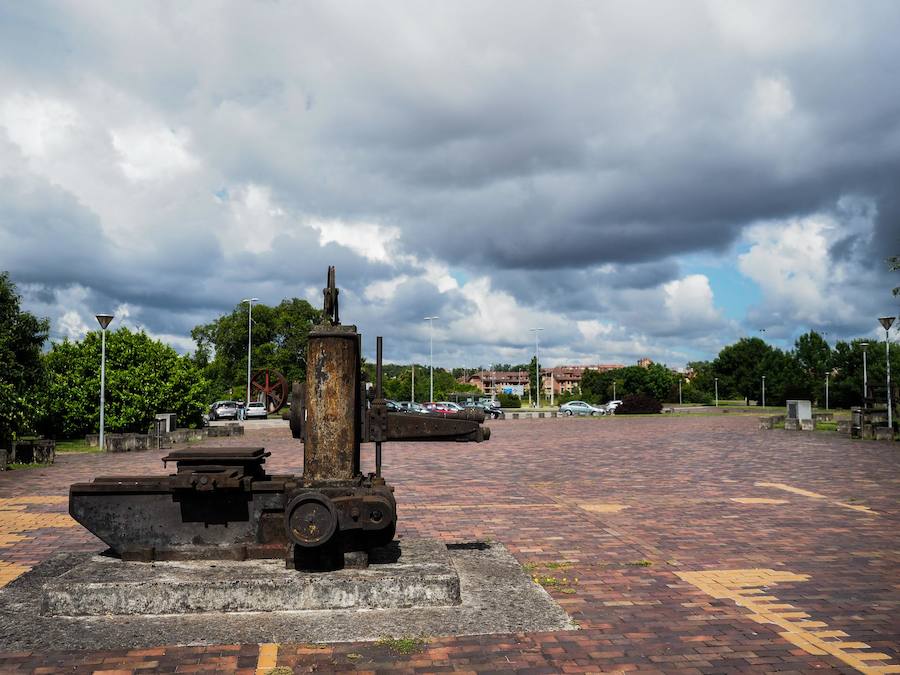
496 596
418 574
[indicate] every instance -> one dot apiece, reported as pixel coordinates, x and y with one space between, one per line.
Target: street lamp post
865 375
717 392
430 320
887 322
826 390
104 321
412 387
250 302
763 391
679 392
537 367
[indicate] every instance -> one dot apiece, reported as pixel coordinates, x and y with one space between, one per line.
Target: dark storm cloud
575 153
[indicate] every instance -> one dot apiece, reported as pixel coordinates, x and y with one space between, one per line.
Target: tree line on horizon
55 391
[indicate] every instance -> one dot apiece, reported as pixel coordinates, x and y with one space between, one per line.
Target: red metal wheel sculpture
269 386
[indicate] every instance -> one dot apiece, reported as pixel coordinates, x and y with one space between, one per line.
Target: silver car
256 409
580 408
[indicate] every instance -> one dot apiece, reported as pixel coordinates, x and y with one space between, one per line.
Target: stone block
823 417
792 424
843 426
765 423
93 440
807 425
420 574
883 434
4 459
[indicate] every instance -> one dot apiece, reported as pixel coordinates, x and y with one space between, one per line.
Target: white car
256 409
612 405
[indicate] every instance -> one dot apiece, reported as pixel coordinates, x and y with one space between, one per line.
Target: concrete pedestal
418 575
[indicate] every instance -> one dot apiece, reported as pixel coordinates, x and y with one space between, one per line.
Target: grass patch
280 670
640 563
826 426
402 645
563 585
14 466
76 445
552 565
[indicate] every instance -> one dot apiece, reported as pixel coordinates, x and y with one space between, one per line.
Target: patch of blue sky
733 292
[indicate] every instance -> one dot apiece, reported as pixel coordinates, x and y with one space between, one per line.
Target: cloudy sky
637 178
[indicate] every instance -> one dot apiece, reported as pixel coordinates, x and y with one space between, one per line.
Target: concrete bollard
792 425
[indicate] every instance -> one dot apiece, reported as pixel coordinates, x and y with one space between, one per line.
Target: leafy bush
638 404
143 377
509 401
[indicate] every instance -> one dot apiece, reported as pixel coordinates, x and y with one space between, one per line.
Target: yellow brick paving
268 658
815 495
745 588
15 519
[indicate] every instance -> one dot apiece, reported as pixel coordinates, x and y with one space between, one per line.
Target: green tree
813 355
894 263
279 341
740 368
143 377
22 336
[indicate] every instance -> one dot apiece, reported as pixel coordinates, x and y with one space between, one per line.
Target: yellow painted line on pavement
816 495
736 585
267 659
595 507
758 500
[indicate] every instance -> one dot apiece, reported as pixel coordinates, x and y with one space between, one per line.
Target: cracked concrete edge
498 597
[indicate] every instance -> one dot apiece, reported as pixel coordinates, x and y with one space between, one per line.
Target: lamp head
104 320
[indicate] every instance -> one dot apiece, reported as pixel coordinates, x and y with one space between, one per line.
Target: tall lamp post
864 345
679 392
763 391
250 302
104 321
887 322
717 392
412 386
537 367
430 320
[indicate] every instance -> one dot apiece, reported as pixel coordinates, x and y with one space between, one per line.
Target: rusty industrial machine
221 504
269 386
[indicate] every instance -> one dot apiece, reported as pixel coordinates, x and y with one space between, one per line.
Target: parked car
580 408
440 407
257 409
612 405
412 407
489 408
223 410
392 405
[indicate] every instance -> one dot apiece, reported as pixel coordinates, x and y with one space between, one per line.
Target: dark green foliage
143 377
639 404
22 336
509 401
280 337
656 381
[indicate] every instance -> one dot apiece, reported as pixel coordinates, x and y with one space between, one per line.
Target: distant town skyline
639 180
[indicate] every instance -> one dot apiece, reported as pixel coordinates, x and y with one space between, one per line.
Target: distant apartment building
567 379
493 382
557 380
645 362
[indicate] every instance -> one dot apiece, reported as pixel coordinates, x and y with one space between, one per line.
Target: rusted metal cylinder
331 450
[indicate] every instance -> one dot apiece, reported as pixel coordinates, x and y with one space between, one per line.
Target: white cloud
690 300
255 220
772 98
791 261
369 240
72 326
37 124
152 152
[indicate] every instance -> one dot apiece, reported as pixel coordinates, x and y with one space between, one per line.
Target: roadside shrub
509 401
638 404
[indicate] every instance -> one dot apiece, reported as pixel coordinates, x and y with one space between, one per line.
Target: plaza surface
683 544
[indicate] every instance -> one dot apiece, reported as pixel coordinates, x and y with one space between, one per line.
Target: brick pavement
679 545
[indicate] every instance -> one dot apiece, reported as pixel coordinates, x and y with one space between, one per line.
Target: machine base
418 574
